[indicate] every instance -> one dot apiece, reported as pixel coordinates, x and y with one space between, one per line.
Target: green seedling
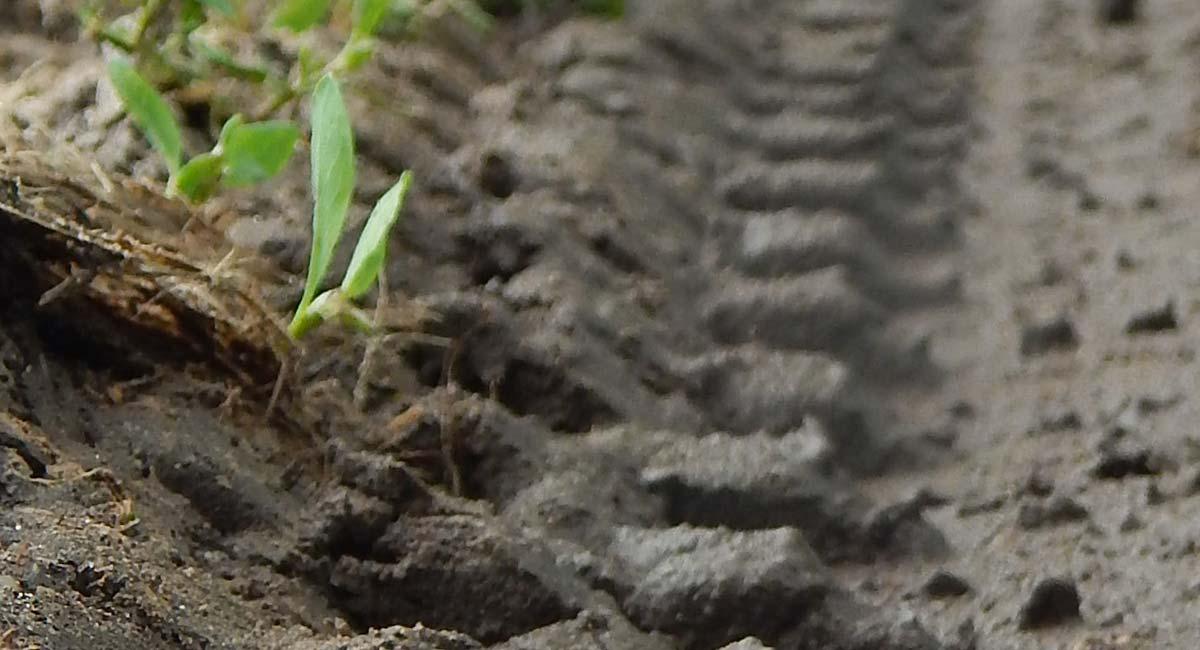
199 178
245 154
252 73
149 111
300 15
170 49
255 152
332 187
368 15
166 46
332 180
250 152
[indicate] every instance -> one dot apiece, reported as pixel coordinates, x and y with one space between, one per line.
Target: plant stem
106 35
303 323
281 99
149 12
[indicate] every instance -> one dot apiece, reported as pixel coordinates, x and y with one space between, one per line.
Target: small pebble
1147 405
1054 335
1060 510
1125 261
1114 465
1153 321
943 584
1154 495
1053 602
962 410
1148 201
1060 420
1037 485
1119 12
1131 523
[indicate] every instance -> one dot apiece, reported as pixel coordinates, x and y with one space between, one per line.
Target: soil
732 323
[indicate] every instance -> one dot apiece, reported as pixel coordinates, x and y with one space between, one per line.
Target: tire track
1085 164
684 262
731 224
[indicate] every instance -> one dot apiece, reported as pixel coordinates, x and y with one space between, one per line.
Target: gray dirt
742 323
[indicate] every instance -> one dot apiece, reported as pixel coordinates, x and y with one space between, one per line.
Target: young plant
149 111
252 152
244 155
332 187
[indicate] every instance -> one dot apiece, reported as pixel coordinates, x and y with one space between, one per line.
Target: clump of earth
725 324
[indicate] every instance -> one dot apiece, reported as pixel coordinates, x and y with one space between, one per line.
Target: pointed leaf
404 10
255 152
605 8
191 16
332 182
199 178
149 110
367 16
299 15
356 52
229 127
222 6
371 251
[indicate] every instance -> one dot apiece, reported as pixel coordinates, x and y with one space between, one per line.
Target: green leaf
191 16
332 184
219 57
299 15
367 16
308 318
228 128
199 178
606 8
149 110
331 305
255 152
404 9
356 52
310 65
221 6
371 251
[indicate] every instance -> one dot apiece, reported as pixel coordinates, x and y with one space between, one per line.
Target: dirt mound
688 349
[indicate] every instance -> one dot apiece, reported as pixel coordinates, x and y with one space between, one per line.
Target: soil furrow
821 324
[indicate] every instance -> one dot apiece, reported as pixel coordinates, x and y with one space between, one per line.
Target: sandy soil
1077 457
817 324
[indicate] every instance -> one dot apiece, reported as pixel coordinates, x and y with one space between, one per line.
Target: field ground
811 324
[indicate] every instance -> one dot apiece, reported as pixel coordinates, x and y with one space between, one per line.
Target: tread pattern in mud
695 235
798 160
716 224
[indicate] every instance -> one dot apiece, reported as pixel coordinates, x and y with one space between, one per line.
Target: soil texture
805 324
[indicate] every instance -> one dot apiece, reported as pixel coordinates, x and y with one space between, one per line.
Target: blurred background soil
729 323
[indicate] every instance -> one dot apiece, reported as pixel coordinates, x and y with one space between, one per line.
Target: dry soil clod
1053 602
